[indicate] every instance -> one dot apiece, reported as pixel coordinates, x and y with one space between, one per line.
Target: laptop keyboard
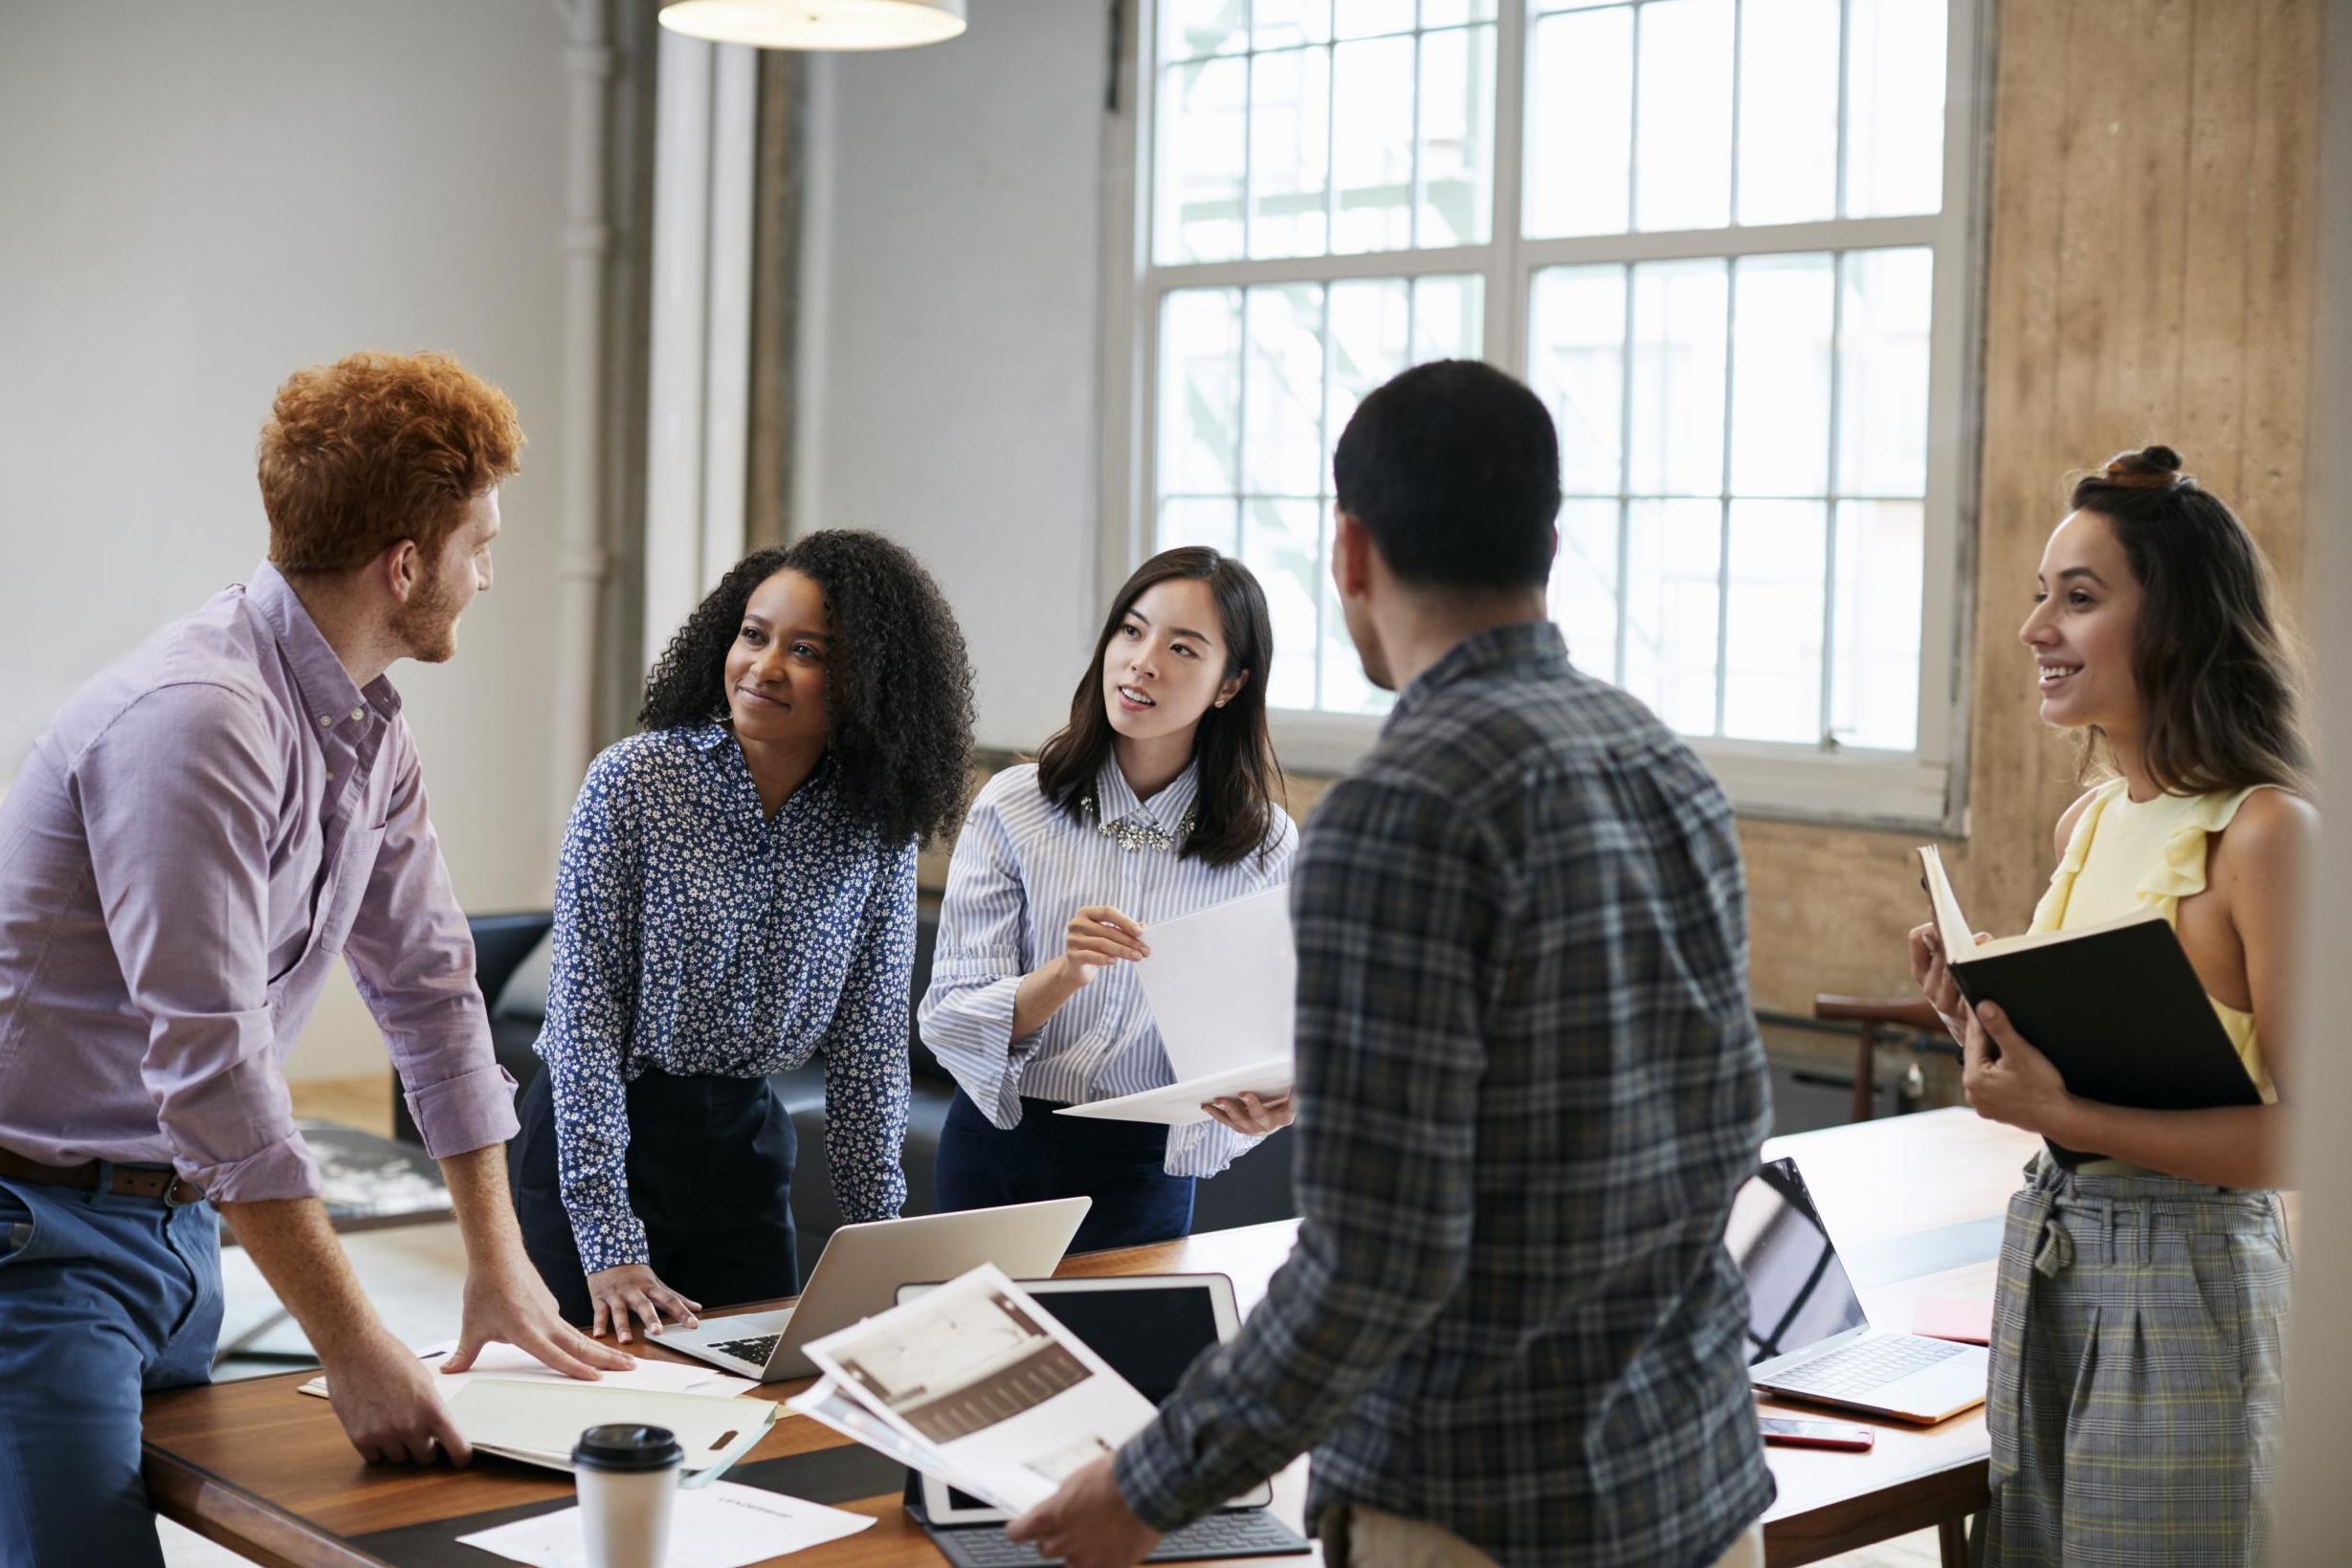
1249 1533
1867 1364
756 1350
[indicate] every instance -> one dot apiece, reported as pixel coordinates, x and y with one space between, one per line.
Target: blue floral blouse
696 935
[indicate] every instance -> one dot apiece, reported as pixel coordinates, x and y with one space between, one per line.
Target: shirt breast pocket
339 903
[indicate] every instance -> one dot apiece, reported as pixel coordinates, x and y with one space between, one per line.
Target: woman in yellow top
2135 1399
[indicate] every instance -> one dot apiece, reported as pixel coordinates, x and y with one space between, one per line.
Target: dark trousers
1120 1164
710 1178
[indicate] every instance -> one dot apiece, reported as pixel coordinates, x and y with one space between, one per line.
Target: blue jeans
101 1299
1120 1164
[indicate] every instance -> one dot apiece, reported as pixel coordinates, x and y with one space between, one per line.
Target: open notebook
2117 1007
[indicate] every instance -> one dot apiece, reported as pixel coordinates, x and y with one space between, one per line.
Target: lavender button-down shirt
204 828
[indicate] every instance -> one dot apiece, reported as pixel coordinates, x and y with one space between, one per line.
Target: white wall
951 315
196 200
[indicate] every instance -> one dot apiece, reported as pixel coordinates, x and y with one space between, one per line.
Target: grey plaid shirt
1529 1084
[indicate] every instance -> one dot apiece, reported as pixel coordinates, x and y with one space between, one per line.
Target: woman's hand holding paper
1252 1116
1099 937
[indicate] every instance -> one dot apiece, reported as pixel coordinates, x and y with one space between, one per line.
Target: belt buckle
179 1184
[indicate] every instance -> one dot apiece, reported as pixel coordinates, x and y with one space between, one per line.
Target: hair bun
2150 468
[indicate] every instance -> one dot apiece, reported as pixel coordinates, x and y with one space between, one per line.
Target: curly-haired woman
737 894
1156 800
2135 1398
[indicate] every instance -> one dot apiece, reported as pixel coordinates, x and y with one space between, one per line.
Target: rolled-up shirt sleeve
866 1088
178 796
978 966
591 998
412 958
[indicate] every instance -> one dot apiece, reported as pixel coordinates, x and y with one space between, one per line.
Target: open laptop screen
1797 1292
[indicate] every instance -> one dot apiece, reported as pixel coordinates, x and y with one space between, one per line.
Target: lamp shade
817 24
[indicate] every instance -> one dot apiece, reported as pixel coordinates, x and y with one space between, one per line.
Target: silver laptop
1808 1337
861 1270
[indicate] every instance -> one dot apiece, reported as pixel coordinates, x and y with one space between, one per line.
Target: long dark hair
897 689
2219 679
1239 773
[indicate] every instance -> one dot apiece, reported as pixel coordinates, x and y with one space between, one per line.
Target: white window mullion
1844 98
1831 488
1508 281
1327 498
1722 545
1632 133
1739 75
1761 239
1625 487
1324 268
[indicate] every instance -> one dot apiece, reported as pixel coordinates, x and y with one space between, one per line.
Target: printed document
980 1386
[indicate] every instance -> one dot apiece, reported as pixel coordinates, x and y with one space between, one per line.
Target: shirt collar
709 737
1530 644
1116 802
330 698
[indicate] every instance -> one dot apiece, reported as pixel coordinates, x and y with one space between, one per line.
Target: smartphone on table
1816 1434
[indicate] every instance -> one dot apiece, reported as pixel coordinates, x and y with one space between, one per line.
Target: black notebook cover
2122 1016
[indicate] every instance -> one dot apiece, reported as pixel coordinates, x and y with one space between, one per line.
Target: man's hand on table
387 1402
507 1301
1087 1523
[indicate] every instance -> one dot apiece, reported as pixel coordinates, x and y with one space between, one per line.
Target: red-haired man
203 830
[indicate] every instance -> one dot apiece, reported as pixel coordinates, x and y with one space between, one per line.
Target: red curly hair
375 449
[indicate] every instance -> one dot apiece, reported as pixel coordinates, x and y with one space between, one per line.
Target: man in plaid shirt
1529 1082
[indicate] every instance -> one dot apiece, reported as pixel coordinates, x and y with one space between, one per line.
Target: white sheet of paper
1223 983
507 1364
1179 1104
725 1525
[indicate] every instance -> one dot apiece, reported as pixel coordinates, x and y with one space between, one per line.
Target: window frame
1923 789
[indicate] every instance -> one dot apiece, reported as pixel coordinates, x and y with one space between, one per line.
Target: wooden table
267 1472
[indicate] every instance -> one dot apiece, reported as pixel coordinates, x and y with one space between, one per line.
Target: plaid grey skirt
2135 1404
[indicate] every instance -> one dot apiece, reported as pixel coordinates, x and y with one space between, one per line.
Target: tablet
1150 1327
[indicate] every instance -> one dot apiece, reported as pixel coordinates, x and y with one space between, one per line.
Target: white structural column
2315 1516
582 563
700 360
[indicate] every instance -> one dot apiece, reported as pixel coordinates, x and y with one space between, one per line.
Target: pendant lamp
817 24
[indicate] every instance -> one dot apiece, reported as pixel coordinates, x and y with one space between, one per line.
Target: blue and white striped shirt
1022 870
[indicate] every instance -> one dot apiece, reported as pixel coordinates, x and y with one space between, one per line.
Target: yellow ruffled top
2126 855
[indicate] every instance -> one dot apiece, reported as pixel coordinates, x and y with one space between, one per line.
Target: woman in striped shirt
1156 800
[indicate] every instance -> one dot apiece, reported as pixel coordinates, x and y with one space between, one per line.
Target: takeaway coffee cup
628 1478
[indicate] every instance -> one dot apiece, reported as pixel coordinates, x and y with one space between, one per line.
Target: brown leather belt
158 1182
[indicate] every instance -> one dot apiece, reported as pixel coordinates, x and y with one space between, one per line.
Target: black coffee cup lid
628 1447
